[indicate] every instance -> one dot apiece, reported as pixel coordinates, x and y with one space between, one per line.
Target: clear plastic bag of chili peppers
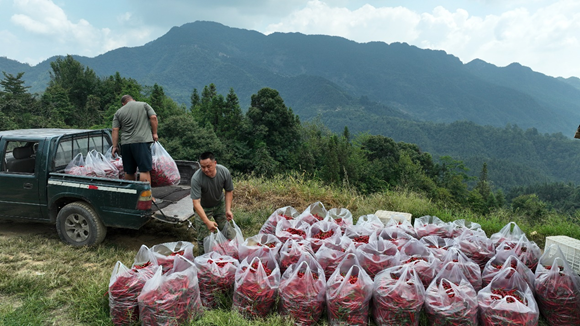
302 292
173 298
220 243
109 170
359 234
216 274
424 262
340 216
125 285
431 225
507 300
93 165
557 288
398 297
116 161
458 227
503 260
165 253
348 293
395 235
470 269
527 251
377 255
284 213
144 258
370 221
76 166
437 245
315 212
479 248
510 232
450 299
260 245
321 232
401 224
256 286
332 253
164 171
291 251
293 229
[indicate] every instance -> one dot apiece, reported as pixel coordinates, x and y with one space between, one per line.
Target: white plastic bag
164 170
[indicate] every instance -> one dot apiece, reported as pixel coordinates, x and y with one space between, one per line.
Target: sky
541 34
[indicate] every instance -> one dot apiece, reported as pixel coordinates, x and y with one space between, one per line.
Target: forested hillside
317 73
476 113
269 139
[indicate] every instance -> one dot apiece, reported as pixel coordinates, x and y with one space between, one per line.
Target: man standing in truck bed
138 125
207 192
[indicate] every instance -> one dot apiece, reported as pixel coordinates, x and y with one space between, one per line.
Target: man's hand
211 226
114 150
229 215
155 137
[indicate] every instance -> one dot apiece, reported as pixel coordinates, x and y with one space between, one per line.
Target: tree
14 85
78 81
271 123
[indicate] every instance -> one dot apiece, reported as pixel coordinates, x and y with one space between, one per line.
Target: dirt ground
151 234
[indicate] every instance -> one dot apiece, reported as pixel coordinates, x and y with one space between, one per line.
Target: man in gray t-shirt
207 192
137 123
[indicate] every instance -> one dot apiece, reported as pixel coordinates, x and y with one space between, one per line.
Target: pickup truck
34 187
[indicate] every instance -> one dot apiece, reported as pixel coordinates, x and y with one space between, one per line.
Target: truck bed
176 206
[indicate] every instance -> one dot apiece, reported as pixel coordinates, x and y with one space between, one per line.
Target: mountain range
396 89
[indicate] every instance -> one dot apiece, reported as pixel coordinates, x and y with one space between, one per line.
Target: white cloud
364 24
50 22
546 39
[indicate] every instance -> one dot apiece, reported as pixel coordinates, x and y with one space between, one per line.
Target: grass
45 282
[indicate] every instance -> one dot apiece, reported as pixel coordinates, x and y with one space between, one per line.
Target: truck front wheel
77 224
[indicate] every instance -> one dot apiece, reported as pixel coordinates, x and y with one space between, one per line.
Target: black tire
78 225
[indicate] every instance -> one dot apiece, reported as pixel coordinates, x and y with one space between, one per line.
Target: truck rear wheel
77 224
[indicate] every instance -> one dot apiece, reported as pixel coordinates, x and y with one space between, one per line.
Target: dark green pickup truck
34 187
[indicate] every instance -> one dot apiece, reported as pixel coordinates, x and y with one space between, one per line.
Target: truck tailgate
176 205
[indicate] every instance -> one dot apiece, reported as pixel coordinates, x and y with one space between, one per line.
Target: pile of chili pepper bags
95 164
164 170
172 298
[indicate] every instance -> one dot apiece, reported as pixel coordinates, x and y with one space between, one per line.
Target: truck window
69 147
20 157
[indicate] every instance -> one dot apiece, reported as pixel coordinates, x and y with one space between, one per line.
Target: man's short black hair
206 155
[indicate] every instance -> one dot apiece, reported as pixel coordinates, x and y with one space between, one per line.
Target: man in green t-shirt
207 192
138 125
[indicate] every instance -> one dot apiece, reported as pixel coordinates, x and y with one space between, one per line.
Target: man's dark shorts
136 155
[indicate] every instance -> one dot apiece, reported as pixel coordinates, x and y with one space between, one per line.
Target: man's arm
229 199
211 225
154 122
115 136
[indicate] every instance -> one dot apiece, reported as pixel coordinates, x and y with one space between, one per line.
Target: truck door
19 185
